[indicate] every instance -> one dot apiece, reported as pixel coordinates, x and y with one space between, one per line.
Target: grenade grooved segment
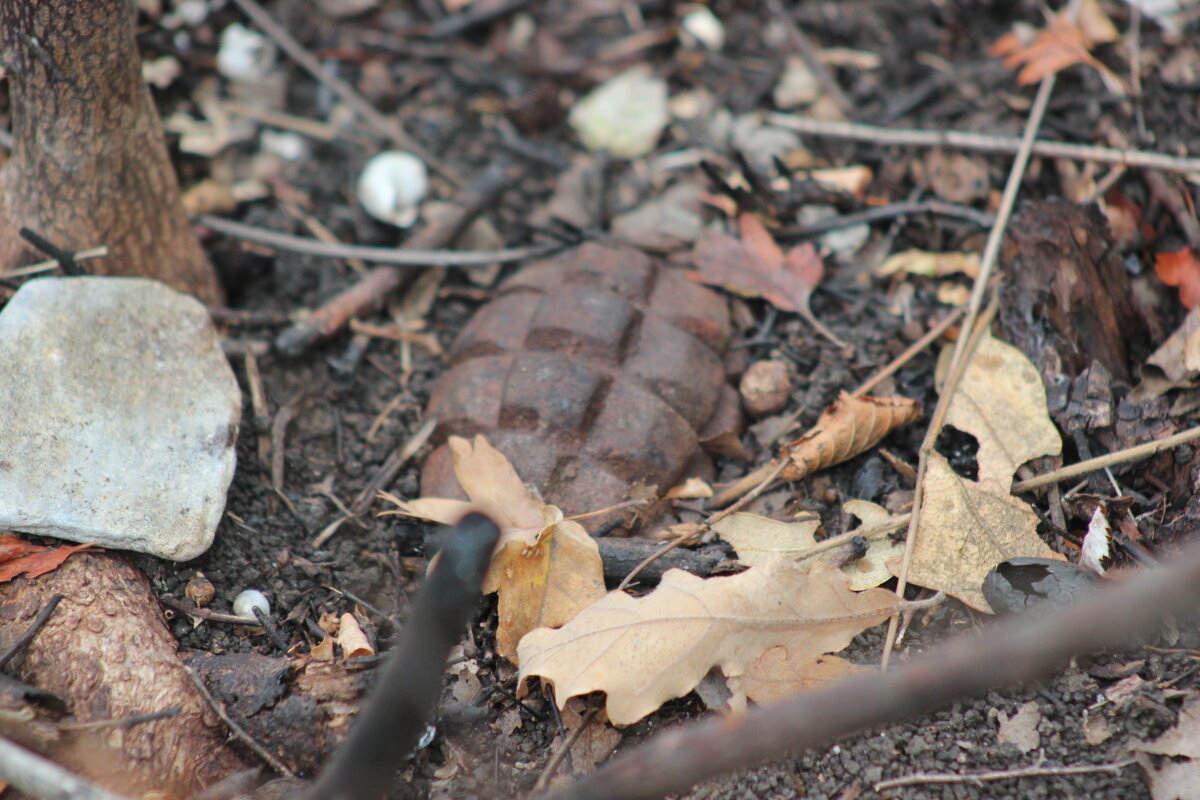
589 371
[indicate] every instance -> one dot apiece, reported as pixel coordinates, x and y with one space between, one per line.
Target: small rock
120 415
626 115
765 388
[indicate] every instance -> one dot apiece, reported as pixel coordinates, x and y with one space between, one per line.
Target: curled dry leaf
644 651
546 569
755 266
851 425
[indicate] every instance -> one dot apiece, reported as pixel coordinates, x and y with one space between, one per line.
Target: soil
933 74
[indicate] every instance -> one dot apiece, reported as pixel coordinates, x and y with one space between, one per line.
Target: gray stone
118 416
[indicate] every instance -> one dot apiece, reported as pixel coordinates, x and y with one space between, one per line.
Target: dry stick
916 347
373 288
40 777
1100 462
26 637
958 362
963 140
1012 651
410 683
53 264
385 127
804 47
403 257
237 730
919 778
561 756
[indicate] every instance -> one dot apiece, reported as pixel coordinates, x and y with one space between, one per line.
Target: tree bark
107 652
89 165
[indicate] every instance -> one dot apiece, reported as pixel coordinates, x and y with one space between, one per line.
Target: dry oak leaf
1179 356
1001 401
644 651
851 425
1172 761
19 557
546 569
755 266
964 531
1060 45
777 675
757 539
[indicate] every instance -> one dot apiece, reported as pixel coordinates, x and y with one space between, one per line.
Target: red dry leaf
14 547
1060 45
755 266
31 558
1179 268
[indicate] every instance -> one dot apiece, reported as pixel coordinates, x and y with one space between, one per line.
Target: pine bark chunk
590 371
89 165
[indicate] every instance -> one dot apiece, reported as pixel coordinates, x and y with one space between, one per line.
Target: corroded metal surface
590 371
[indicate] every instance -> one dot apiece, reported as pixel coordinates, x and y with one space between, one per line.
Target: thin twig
965 345
27 636
237 730
394 256
918 778
916 347
806 51
40 777
384 126
890 211
1100 462
657 554
964 140
53 264
123 722
552 765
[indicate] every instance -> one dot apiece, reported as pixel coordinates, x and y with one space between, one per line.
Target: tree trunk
107 652
89 165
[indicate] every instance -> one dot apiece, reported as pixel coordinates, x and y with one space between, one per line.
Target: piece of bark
1069 298
89 165
108 653
620 556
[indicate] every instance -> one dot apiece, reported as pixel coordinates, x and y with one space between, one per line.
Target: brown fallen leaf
777 675
1060 45
931 265
644 651
964 531
851 425
1172 761
19 557
545 568
1001 401
755 266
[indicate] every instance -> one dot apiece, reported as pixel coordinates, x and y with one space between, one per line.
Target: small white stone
248 600
625 115
392 186
700 24
245 56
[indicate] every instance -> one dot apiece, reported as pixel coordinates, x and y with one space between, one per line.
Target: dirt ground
470 98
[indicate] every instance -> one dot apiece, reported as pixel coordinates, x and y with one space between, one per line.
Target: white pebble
245 56
250 599
392 186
